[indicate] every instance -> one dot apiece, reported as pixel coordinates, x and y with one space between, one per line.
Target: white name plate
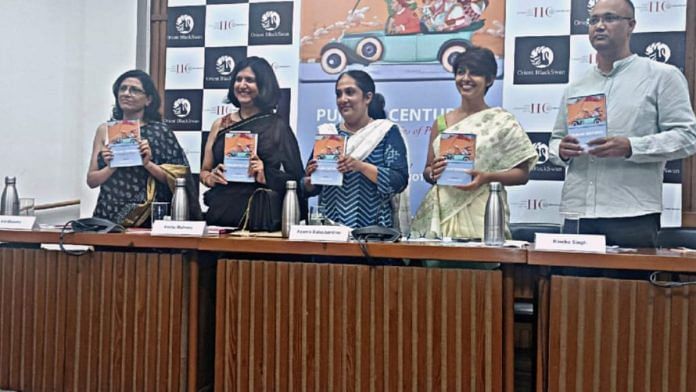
571 242
319 233
187 228
13 222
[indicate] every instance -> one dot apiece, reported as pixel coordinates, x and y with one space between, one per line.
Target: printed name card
319 233
187 228
13 222
571 242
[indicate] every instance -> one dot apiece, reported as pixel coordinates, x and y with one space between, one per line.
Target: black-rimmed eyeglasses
606 18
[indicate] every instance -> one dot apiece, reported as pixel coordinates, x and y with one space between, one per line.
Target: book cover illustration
123 138
328 149
459 150
239 148
587 118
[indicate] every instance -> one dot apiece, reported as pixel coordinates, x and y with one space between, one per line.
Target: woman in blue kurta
374 166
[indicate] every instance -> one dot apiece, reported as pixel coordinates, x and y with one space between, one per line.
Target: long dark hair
266 82
152 112
365 83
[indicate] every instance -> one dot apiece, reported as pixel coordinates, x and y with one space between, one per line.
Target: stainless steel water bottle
291 208
180 211
10 199
494 220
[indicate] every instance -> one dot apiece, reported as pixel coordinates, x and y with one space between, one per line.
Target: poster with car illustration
407 46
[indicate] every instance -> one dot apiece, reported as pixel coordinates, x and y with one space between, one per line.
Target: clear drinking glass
26 206
159 211
571 223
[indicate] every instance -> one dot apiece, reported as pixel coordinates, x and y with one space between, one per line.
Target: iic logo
542 151
654 7
181 107
182 68
224 65
541 57
658 51
221 110
270 20
184 24
539 108
536 204
592 58
541 12
225 25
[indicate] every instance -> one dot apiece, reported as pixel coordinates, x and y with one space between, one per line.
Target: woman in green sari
504 154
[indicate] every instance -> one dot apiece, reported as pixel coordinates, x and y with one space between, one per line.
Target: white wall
58 60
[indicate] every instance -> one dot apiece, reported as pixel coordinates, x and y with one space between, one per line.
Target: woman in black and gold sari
126 193
255 91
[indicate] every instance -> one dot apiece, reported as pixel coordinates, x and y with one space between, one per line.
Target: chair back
675 237
526 231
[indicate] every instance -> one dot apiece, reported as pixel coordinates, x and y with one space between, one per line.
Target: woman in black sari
126 193
255 91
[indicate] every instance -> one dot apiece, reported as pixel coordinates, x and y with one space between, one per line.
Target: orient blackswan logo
181 107
184 24
224 65
590 5
270 20
541 57
542 151
658 51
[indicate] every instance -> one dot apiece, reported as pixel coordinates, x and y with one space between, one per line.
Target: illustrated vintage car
369 47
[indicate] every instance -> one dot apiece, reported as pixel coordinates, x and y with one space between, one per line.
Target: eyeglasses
130 89
606 19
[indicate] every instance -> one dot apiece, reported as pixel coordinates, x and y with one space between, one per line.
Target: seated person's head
253 79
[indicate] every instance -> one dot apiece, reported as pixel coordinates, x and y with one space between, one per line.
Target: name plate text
571 242
13 222
185 228
319 233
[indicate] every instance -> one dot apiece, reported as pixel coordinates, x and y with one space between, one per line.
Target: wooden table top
642 259
264 245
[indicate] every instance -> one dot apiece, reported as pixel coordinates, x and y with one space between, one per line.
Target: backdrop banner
407 47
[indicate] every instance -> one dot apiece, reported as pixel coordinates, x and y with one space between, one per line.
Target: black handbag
264 210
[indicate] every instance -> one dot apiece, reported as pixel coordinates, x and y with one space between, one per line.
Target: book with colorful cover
328 149
459 150
239 148
587 118
123 138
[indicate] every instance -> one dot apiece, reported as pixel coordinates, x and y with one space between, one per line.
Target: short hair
266 82
631 6
151 112
367 85
478 61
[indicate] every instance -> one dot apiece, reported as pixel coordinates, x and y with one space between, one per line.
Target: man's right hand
569 148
